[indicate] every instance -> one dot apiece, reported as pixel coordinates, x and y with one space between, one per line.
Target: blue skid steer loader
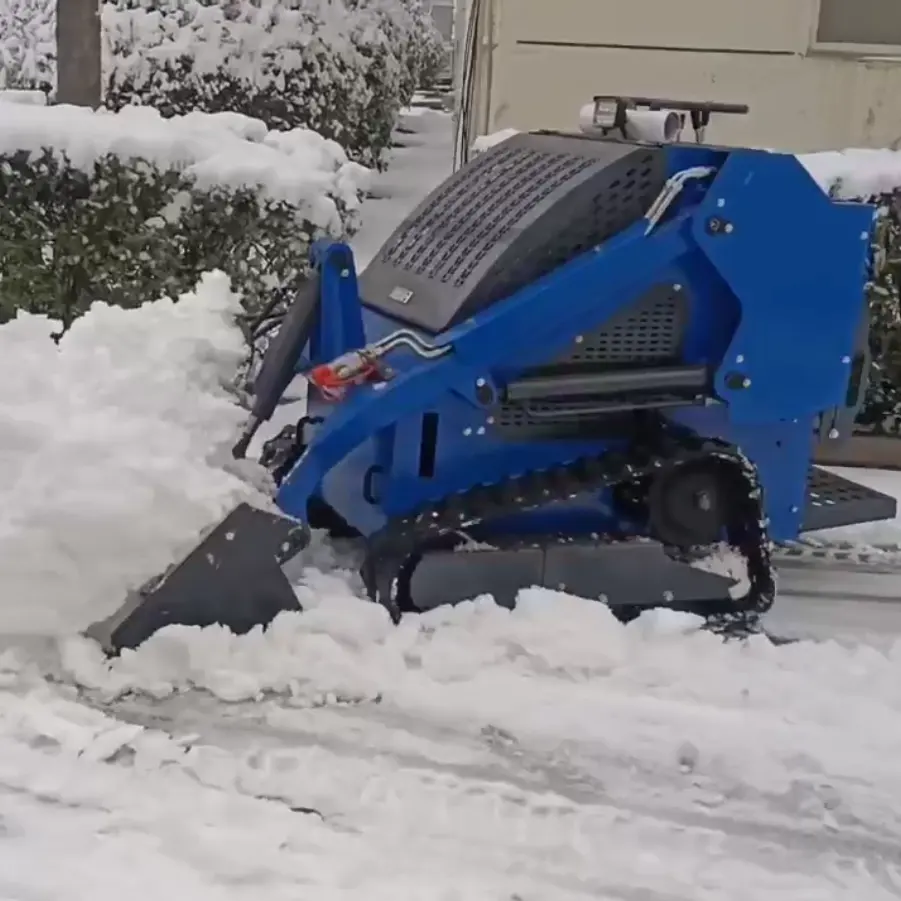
586 360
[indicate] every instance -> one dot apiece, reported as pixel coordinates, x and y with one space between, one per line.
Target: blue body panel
777 300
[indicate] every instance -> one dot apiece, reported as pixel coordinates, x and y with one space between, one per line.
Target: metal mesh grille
622 201
828 490
515 416
470 215
833 501
649 333
509 218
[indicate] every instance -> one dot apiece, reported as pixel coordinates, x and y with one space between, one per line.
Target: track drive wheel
689 506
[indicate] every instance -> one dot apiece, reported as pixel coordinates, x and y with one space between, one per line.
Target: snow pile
479 657
558 672
112 447
298 167
343 647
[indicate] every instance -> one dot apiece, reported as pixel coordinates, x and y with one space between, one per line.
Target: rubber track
389 550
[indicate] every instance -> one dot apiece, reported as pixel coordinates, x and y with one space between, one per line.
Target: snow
415 168
112 444
471 753
28 44
855 174
31 98
298 167
545 751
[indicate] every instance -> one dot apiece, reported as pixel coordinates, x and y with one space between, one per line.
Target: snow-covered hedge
343 68
874 176
121 207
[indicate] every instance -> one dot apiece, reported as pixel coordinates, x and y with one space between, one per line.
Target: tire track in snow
806 822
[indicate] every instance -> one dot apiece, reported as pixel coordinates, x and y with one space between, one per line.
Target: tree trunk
78 79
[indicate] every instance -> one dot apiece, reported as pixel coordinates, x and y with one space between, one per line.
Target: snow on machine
585 361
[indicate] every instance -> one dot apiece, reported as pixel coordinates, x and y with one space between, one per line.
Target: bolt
833 434
467 432
490 420
729 228
677 287
579 339
740 358
561 587
345 273
721 203
668 596
746 383
603 598
864 236
794 509
846 360
703 500
480 430
480 383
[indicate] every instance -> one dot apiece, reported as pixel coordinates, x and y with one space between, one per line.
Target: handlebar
688 106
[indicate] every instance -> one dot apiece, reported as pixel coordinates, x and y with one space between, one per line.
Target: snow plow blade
233 577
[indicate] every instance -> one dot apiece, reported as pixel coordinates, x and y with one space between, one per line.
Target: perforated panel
505 220
541 413
650 333
833 501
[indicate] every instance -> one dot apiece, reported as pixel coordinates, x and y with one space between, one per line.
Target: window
871 24
443 16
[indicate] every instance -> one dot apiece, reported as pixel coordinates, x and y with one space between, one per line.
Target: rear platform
835 501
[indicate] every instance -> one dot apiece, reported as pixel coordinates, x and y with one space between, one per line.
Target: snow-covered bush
343 68
882 410
27 43
874 176
122 207
434 60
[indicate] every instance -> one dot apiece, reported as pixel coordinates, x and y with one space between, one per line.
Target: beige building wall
801 65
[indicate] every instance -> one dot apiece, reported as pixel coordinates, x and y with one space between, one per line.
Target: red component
335 378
